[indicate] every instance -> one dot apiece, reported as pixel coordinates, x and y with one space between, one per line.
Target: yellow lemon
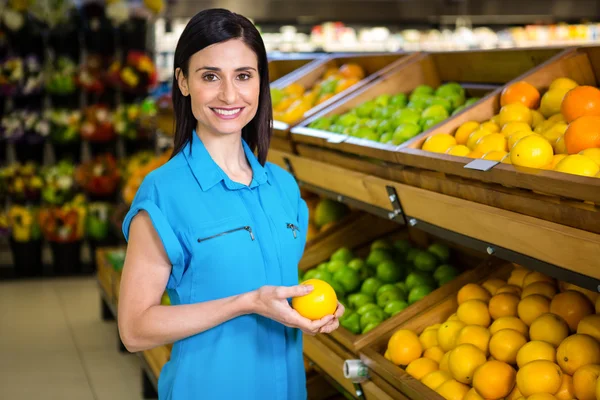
474 312
492 285
421 367
537 118
590 325
444 362
464 360
459 150
514 289
491 126
452 390
513 323
506 159
515 137
532 151
495 155
513 127
463 132
577 351
566 390
448 334
543 127
404 347
434 353
563 83
556 131
556 118
533 306
535 350
559 146
476 335
434 379
505 344
476 135
549 328
320 302
428 338
295 89
515 112
540 376
555 160
551 101
493 142
593 154
439 143
578 165
475 154
473 395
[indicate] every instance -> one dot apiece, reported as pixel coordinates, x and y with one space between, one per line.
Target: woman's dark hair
206 28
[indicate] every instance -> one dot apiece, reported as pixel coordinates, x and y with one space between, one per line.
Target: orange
540 376
513 127
474 312
439 143
520 92
458 150
476 135
563 83
515 137
582 134
593 154
584 382
572 306
576 351
495 155
464 360
543 288
590 325
581 101
515 394
444 362
428 338
515 112
531 307
517 276
494 379
551 102
535 276
550 328
505 344
351 70
404 347
535 350
476 335
566 390
592 296
509 323
578 165
462 133
434 353
472 395
452 390
493 284
448 334
472 291
492 142
514 289
433 380
532 151
320 302
504 305
421 367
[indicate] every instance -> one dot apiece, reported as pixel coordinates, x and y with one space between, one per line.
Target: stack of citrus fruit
291 102
527 337
558 131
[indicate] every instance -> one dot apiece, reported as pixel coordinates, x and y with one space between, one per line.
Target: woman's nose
228 93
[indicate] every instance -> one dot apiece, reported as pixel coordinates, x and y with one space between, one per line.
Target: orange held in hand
521 92
582 134
579 102
317 304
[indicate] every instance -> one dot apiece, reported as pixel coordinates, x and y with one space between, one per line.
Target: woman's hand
335 322
271 302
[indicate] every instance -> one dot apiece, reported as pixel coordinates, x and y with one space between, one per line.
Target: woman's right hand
272 302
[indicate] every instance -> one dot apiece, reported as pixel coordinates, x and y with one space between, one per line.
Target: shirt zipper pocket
294 229
243 228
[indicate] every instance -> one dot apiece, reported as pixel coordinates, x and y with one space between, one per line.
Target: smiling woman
222 230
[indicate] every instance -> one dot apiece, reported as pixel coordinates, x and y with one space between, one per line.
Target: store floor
54 345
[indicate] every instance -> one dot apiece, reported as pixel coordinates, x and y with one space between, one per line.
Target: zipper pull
249 229
293 228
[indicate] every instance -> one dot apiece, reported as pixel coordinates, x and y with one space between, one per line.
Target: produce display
291 102
323 213
391 277
394 119
527 337
559 130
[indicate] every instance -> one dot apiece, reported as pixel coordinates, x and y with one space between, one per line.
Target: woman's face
224 86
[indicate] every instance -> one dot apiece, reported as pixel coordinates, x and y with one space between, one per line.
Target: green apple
441 251
342 254
456 100
351 322
348 278
364 132
372 136
276 96
370 327
472 101
402 246
337 128
357 264
450 87
335 265
428 123
371 286
310 274
358 300
435 111
423 89
401 285
337 287
376 256
374 316
390 295
381 112
384 126
365 109
323 266
440 101
444 271
394 307
385 288
405 116
404 132
347 120
389 272
425 261
386 138
400 100
418 292
366 308
373 124
419 102
324 276
383 100
418 278
323 123
381 244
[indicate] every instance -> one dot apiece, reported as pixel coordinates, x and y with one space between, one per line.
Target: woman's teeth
227 112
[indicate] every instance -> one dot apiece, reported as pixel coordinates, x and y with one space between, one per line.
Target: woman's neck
228 153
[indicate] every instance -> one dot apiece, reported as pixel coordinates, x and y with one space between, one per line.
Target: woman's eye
210 77
244 77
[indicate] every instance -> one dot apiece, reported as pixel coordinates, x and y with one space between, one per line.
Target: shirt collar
208 173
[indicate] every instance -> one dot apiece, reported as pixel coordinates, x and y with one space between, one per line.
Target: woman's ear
182 82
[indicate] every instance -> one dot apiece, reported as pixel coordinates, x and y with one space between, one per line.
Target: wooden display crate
479 72
582 65
281 70
373 357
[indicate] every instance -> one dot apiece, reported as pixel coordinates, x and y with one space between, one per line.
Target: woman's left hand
335 322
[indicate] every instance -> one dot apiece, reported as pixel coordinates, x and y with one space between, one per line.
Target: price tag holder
482 165
337 139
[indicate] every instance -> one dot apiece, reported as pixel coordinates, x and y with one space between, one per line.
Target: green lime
419 278
425 261
343 254
440 251
348 278
389 272
394 307
417 293
371 286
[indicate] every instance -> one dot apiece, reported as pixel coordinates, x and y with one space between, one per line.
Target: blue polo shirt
224 238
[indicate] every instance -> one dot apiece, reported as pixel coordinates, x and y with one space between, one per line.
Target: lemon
555 160
295 89
543 127
458 150
557 118
551 101
537 118
491 126
463 132
515 112
532 151
475 154
514 138
563 83
439 143
476 135
495 155
506 159
556 131
593 154
513 127
578 165
493 142
559 146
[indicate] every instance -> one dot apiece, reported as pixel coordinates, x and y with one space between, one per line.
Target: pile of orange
558 131
292 102
526 337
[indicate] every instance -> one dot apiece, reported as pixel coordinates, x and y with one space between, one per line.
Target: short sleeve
146 200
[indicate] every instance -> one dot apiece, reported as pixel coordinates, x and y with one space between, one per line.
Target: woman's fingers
286 292
340 310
